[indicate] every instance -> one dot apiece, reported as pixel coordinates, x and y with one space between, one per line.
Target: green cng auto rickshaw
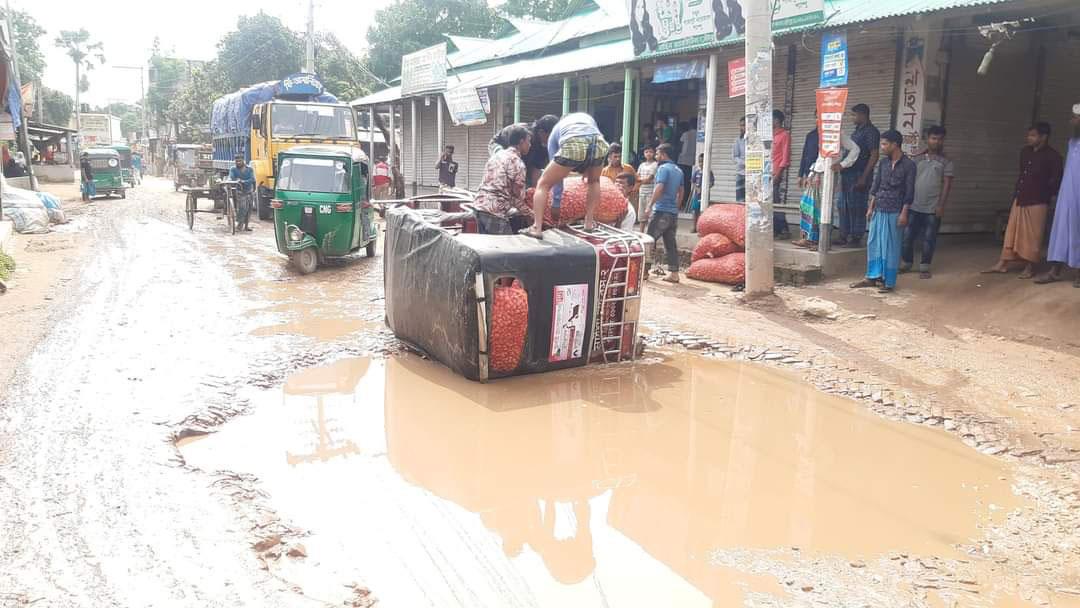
321 207
125 164
108 179
186 166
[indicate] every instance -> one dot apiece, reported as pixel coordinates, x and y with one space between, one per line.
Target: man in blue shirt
662 212
243 174
575 144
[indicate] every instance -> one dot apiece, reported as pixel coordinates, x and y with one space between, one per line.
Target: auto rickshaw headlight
113 162
295 235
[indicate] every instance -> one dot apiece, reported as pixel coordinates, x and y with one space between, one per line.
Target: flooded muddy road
204 427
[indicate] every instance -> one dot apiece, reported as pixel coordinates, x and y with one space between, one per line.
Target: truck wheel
306 260
371 247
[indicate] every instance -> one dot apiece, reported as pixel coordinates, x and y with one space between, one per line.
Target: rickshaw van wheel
305 260
371 247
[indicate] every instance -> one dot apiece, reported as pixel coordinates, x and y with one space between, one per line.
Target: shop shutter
1061 87
457 136
478 138
986 118
725 131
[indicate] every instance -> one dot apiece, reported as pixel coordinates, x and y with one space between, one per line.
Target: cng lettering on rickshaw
325 209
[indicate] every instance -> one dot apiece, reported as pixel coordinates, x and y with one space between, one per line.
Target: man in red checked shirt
380 180
781 159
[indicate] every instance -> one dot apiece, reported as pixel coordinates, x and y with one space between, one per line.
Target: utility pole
24 135
759 183
309 56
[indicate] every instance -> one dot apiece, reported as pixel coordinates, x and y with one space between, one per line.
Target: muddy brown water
600 486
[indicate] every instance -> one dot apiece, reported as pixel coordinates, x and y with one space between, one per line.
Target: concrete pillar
710 115
517 103
413 144
637 109
759 204
566 95
627 113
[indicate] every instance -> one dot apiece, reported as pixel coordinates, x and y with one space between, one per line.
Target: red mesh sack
730 269
728 220
713 245
509 323
610 209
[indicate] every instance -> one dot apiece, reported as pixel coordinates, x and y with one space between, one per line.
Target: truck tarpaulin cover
231 114
431 294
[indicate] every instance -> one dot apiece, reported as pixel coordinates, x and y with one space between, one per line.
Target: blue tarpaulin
14 101
685 70
231 114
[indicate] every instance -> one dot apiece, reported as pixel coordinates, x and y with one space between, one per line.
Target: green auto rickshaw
126 172
108 178
321 206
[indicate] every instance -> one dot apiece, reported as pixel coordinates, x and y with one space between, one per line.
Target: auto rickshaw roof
121 148
101 152
187 146
352 152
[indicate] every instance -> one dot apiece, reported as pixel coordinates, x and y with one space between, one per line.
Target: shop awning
578 60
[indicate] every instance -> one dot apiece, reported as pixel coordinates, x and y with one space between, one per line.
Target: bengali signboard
912 95
834 60
663 27
831 104
464 106
736 77
424 71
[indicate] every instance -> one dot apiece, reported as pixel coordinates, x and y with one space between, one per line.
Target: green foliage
7 266
190 108
410 25
57 107
549 10
130 116
27 32
83 52
260 49
343 73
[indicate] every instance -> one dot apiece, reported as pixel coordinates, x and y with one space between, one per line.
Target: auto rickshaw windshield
314 175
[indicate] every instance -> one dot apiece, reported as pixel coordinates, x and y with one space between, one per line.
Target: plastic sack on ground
728 220
730 269
53 207
610 209
713 245
509 326
25 210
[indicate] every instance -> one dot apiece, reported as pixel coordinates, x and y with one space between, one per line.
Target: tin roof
611 15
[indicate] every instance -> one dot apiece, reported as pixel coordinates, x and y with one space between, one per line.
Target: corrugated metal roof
837 13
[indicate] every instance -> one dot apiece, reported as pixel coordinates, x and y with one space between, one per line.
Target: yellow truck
261 120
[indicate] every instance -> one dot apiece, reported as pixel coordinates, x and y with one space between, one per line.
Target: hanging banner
831 104
736 77
661 27
484 99
424 71
834 60
464 106
674 72
912 95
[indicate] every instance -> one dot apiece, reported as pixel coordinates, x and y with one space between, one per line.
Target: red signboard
830 108
736 77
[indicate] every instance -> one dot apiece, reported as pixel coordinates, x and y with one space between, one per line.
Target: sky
189 29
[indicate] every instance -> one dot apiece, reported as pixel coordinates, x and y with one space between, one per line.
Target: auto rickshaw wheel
191 206
123 193
306 260
176 186
371 247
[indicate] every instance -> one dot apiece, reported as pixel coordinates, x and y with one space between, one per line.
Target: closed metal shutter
478 139
457 136
872 61
1061 87
986 118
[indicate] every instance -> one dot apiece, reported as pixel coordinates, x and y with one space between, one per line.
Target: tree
260 49
27 32
549 10
83 52
130 116
168 76
190 108
56 107
342 72
410 25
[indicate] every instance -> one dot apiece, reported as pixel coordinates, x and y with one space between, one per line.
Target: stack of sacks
610 209
719 256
